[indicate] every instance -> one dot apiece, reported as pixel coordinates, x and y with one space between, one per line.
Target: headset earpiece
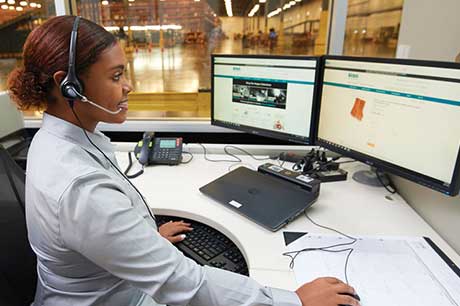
71 90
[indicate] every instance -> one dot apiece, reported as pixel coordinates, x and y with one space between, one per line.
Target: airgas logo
236 68
353 75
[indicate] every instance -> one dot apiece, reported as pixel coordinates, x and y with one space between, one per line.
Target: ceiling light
23 3
254 10
4 7
105 2
2 1
262 1
11 8
228 7
19 8
33 4
10 1
292 3
39 5
274 13
111 28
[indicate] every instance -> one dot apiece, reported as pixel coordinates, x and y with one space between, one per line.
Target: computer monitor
272 96
401 116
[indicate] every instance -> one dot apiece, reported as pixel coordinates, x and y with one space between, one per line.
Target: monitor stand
369 177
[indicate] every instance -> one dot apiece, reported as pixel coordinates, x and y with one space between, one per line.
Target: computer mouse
355 296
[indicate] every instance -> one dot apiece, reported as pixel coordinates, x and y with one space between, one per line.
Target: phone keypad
166 154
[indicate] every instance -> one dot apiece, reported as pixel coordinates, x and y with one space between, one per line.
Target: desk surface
348 206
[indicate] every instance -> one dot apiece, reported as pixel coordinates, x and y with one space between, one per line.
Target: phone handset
145 146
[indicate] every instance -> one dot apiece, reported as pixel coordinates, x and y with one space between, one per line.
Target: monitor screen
399 115
266 95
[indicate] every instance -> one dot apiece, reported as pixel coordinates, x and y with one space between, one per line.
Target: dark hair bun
29 90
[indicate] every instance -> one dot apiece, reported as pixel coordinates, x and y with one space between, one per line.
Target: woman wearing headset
96 242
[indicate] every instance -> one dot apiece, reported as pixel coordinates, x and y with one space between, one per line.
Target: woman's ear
58 77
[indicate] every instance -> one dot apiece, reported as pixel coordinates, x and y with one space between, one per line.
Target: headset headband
73 49
70 86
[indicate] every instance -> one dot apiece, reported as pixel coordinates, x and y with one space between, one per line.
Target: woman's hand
171 230
326 291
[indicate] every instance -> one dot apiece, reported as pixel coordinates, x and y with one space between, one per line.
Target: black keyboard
208 246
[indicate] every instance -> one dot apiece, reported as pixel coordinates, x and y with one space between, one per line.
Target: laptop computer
269 201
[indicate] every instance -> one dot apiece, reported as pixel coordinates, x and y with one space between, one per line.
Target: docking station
305 181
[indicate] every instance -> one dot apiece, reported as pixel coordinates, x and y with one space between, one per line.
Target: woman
95 240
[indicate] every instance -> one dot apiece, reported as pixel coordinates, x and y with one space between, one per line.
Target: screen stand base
369 177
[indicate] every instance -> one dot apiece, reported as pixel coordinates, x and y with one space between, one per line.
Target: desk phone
159 150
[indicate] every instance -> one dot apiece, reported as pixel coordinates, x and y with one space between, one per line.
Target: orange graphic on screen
357 110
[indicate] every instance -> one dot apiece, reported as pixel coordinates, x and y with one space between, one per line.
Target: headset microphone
84 99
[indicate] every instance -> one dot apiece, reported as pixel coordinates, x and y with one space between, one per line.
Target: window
168 43
372 27
17 19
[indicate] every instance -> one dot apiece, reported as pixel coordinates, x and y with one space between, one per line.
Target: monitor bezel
380 164
310 139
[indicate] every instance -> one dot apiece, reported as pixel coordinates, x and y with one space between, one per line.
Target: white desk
347 206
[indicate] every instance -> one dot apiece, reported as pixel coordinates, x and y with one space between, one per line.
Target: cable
130 164
113 165
129 168
297 166
280 162
237 159
346 264
330 248
321 167
392 191
191 157
341 233
242 150
329 228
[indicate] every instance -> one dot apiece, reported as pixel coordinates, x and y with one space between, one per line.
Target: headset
71 87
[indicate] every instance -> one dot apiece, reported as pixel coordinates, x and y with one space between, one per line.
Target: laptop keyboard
207 246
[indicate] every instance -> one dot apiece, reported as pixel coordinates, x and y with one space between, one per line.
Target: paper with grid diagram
397 271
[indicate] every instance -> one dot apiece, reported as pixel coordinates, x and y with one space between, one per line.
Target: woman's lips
123 105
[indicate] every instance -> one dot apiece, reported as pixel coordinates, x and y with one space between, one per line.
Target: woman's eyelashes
117 76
